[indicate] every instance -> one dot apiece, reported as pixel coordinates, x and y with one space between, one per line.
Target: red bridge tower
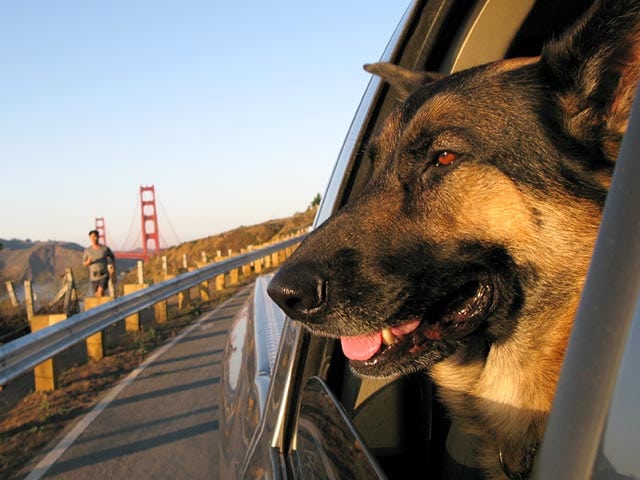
149 219
150 230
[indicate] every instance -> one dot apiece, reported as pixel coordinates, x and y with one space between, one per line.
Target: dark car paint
248 373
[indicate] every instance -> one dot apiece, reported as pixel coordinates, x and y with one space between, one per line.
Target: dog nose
299 293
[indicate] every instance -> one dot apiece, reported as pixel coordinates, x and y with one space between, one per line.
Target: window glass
619 457
326 445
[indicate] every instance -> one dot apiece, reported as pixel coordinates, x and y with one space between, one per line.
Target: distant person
96 257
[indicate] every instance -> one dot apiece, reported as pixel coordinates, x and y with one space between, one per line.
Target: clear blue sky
235 111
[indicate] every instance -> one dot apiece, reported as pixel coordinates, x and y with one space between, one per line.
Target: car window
401 421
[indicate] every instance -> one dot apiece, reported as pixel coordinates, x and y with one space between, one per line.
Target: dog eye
445 158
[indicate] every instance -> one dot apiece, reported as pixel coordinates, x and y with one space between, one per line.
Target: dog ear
594 70
404 81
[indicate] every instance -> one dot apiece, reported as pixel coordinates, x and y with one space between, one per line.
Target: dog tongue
361 347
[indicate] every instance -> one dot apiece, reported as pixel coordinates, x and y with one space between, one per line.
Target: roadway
160 422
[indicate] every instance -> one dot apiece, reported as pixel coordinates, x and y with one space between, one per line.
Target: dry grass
13 322
39 417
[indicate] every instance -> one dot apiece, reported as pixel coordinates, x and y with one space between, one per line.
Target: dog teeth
387 337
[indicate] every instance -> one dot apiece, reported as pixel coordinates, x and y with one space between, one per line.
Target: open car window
400 421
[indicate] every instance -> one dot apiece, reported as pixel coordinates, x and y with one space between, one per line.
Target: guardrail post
161 308
46 374
140 273
234 277
12 294
274 259
95 343
219 281
132 323
246 269
28 299
203 287
204 291
184 297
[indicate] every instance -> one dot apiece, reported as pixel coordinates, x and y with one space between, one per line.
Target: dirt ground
29 423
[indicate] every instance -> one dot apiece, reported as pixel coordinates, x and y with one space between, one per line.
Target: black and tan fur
529 147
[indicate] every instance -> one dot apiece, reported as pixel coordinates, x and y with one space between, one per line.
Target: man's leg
102 285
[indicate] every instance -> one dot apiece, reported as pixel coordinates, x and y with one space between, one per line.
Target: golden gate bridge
150 233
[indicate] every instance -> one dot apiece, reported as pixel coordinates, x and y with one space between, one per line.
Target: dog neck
491 393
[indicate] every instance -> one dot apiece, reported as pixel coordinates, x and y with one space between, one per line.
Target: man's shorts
101 282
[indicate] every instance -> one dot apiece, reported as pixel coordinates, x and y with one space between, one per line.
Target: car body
292 408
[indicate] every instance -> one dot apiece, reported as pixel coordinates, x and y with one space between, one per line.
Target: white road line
50 459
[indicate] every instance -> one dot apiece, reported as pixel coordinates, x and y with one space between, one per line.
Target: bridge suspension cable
149 226
125 244
166 217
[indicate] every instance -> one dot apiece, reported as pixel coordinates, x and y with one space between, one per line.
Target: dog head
481 213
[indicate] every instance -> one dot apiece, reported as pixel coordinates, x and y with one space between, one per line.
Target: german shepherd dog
466 253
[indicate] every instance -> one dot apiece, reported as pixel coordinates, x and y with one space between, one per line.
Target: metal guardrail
25 353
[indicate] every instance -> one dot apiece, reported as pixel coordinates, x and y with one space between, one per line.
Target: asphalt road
161 422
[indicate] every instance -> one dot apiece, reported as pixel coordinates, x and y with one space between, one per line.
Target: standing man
96 258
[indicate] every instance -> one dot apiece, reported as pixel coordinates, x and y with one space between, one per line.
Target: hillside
235 240
45 262
40 262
